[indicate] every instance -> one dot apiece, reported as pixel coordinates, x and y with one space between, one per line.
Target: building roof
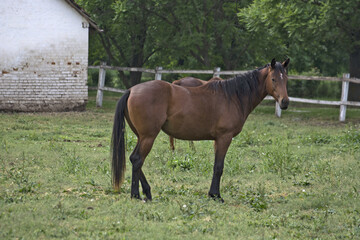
83 13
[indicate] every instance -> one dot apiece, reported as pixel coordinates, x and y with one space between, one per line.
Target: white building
43 55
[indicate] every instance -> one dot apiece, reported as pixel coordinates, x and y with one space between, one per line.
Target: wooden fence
343 103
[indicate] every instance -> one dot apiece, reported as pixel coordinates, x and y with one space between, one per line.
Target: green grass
296 177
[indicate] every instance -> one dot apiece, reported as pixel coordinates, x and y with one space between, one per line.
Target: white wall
43 56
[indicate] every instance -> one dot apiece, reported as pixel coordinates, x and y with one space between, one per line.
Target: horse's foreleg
221 146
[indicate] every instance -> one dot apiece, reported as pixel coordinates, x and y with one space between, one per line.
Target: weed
248 138
103 168
20 176
352 135
316 138
233 189
193 210
183 163
351 138
98 134
4 146
256 198
281 160
148 215
73 163
305 181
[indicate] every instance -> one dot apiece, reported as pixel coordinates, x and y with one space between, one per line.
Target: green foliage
112 78
172 34
314 89
281 160
352 136
317 139
305 31
183 163
73 163
318 36
352 139
256 198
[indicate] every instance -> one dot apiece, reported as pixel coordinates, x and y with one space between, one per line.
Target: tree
129 37
171 33
204 34
315 33
343 20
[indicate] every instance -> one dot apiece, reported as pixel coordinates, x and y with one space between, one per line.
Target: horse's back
189 82
194 82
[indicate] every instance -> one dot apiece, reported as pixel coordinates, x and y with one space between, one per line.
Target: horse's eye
273 79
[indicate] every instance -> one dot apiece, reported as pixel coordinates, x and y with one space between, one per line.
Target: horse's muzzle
284 103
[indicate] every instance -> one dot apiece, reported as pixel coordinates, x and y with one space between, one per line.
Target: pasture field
296 177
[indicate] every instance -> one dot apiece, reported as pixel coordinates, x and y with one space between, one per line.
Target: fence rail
158 71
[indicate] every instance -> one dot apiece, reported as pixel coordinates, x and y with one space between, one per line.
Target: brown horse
190 82
194 82
214 111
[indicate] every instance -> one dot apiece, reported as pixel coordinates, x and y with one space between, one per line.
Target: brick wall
45 83
43 57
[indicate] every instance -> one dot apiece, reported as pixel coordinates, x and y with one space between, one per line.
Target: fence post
101 84
216 72
277 109
157 73
344 96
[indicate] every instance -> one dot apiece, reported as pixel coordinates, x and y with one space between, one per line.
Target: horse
190 82
194 82
214 111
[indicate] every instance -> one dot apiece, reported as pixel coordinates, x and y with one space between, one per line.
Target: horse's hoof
136 196
217 198
147 199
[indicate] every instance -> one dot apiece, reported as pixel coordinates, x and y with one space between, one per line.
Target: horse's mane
241 86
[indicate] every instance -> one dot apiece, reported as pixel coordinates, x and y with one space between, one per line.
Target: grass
296 177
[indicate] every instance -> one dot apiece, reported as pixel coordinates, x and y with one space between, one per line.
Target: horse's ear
286 63
273 62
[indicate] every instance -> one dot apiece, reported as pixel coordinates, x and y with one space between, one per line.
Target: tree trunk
135 78
354 88
125 79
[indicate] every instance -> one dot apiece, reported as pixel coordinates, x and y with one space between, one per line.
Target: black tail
118 143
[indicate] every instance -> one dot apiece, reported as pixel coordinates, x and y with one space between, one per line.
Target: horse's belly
185 130
189 136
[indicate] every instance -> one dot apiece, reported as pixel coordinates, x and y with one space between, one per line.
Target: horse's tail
118 143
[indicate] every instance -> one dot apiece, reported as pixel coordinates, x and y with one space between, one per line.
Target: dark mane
243 86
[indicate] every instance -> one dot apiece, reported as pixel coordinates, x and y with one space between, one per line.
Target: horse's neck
261 92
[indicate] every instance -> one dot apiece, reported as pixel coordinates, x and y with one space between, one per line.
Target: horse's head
276 81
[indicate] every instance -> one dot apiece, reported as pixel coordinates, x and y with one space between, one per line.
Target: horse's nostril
284 103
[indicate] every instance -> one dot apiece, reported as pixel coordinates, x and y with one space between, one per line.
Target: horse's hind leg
145 186
134 158
192 146
137 159
172 146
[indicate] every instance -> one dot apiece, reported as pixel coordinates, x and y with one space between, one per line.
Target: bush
314 89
